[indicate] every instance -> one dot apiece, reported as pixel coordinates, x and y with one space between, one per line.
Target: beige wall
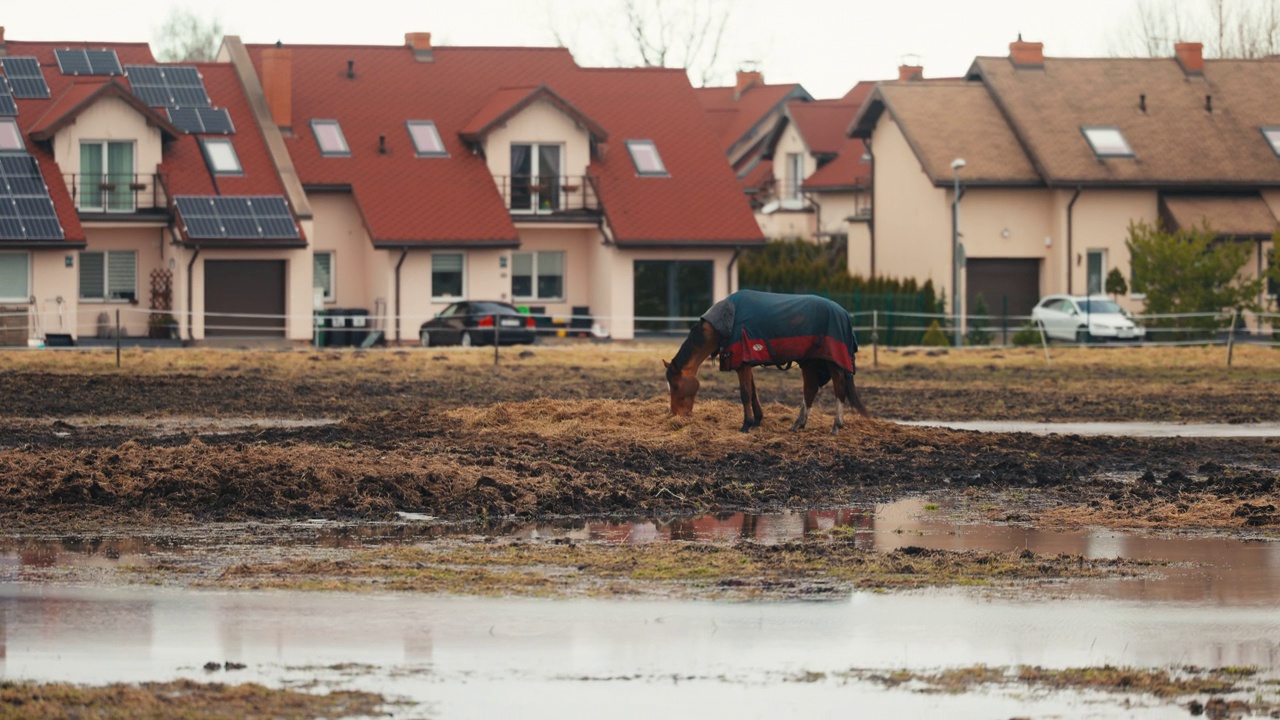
110 119
617 307
858 252
50 280
790 143
1100 221
912 217
787 224
149 244
298 277
540 122
339 229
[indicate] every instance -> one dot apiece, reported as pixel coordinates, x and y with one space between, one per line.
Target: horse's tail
851 395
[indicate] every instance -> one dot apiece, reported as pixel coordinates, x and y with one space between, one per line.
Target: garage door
1010 286
253 288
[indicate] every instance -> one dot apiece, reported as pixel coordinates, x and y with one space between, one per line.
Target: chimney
1190 56
420 42
277 83
747 78
3 52
910 72
1026 54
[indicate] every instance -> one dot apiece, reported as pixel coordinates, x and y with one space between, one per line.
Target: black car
477 322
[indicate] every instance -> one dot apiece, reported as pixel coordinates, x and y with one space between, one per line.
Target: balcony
552 198
100 196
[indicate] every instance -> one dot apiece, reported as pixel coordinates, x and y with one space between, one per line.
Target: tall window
322 274
14 277
795 174
1097 271
535 177
106 171
111 276
446 276
537 275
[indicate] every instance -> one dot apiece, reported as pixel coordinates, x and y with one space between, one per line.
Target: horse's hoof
746 427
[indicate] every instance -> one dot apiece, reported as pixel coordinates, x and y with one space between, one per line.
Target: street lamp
955 245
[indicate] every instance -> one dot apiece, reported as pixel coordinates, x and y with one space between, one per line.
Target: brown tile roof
947 120
1233 215
1176 140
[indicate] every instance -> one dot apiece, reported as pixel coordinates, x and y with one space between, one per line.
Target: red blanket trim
780 351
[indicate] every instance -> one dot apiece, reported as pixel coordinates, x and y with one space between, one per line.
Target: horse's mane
697 338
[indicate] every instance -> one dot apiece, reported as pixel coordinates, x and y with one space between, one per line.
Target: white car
1077 318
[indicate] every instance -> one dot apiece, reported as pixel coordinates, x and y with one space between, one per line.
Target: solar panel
26 211
77 61
208 121
168 86
25 77
8 106
240 217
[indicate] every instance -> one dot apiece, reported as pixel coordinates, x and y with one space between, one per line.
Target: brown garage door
1010 286
244 287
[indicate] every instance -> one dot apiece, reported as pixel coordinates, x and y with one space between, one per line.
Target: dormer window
1272 134
221 156
426 138
1107 142
10 136
644 154
330 138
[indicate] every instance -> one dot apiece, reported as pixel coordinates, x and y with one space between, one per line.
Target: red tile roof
408 200
740 118
183 161
847 169
821 123
508 102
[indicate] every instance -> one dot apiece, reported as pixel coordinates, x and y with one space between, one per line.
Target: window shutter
91 275
122 275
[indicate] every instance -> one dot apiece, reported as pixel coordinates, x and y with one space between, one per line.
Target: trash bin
338 333
323 334
357 326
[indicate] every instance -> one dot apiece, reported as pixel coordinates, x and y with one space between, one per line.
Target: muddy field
178 436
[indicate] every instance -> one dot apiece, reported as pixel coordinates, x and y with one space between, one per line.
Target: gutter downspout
871 190
1070 237
404 253
191 313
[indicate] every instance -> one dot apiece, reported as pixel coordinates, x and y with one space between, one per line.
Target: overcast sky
826 45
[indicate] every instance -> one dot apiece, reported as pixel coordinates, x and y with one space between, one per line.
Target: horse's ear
666 364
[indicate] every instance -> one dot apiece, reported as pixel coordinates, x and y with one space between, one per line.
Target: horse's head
684 388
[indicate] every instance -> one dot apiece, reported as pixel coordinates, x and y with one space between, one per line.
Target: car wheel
466 340
1083 337
425 338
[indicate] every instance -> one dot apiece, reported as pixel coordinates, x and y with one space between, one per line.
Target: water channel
1216 605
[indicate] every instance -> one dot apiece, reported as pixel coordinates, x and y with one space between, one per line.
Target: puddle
1116 429
195 425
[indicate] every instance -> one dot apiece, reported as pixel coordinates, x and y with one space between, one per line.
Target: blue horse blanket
760 328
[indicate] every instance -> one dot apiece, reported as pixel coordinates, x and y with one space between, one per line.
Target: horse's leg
811 386
751 412
839 380
852 396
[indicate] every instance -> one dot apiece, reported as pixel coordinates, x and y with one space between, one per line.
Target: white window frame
535 171
330 292
208 145
25 297
533 275
416 128
122 256
344 151
10 133
107 199
1102 273
795 175
1103 139
647 146
435 296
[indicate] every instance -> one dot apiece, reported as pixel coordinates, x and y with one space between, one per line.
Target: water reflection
1209 570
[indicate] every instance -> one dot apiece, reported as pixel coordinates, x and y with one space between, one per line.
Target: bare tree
688 34
1228 28
187 37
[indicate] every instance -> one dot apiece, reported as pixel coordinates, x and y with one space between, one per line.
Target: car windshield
492 308
1097 305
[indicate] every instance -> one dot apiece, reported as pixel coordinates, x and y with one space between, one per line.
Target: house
1030 170
238 197
140 189
748 118
436 174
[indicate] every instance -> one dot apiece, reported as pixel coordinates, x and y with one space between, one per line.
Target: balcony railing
116 193
558 196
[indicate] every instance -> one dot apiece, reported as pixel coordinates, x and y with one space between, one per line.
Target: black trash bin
338 336
323 332
357 326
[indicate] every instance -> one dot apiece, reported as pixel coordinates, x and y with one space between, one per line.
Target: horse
750 329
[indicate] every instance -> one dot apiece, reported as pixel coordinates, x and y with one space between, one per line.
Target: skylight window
646 158
330 138
426 138
221 156
10 136
1107 142
1272 134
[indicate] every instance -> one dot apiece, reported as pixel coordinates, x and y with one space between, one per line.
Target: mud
553 433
